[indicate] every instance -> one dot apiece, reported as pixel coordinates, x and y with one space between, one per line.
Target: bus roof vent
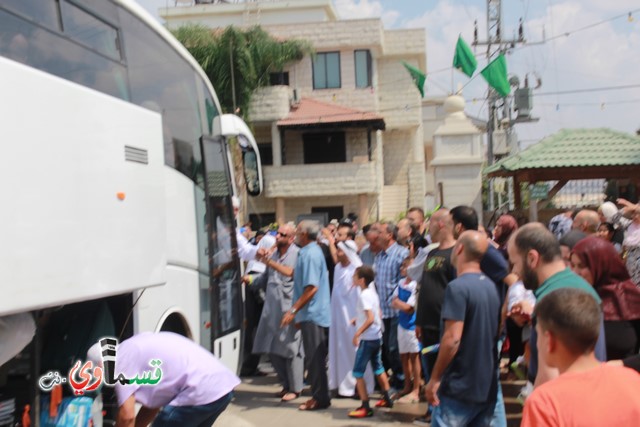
138 155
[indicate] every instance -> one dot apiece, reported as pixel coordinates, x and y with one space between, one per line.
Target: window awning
310 113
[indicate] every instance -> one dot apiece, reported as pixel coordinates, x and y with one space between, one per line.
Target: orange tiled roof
310 112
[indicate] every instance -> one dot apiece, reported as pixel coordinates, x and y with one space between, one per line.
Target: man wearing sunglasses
284 346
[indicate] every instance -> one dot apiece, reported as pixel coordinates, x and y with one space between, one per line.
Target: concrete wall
248 14
346 34
303 205
405 42
398 154
429 176
461 185
433 115
417 188
450 148
393 200
399 99
270 103
320 180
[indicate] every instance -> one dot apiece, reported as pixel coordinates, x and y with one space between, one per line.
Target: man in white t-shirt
368 339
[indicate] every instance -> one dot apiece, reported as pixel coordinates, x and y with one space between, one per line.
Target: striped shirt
387 268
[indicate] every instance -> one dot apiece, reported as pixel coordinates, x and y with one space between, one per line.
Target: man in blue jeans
194 386
496 268
387 268
463 386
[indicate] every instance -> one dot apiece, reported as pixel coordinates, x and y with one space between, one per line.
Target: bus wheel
177 324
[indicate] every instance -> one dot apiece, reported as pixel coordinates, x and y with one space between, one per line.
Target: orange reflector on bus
120 196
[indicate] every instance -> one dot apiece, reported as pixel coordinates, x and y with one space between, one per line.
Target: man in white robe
344 299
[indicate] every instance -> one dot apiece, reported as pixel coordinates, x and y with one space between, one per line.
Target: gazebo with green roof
572 154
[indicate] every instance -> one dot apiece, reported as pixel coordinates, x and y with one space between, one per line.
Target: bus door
225 291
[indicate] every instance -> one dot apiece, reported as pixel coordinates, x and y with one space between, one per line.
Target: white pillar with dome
458 158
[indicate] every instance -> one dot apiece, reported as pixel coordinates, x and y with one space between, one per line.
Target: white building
345 134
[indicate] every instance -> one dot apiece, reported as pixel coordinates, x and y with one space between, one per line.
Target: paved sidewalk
254 404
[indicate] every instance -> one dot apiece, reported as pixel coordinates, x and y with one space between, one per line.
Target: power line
602 104
595 24
586 90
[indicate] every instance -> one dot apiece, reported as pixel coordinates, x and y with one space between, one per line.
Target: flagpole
452 92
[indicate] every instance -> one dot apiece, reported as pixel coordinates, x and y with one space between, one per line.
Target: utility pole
496 45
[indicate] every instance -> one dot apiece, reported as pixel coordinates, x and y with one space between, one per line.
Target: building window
279 79
362 59
326 70
326 147
266 154
333 212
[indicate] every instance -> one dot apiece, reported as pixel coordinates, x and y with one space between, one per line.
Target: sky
604 55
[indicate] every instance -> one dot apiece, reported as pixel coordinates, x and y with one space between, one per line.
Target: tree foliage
252 54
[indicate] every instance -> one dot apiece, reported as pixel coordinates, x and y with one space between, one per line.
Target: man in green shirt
537 260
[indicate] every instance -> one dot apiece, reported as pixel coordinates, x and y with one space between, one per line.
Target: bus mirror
229 126
251 172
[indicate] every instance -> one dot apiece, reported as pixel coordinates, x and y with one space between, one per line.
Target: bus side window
28 43
89 30
43 12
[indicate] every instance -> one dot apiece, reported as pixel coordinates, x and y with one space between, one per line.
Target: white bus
116 179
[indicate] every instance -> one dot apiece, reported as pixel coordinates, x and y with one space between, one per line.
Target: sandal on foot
281 393
289 396
312 405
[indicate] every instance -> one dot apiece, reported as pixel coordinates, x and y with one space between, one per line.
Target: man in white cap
344 300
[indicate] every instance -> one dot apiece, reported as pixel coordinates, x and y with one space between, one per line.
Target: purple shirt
191 375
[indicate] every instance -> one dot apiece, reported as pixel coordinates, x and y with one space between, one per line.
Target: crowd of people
428 305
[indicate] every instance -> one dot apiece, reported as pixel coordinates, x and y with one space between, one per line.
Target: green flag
418 77
464 60
496 75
